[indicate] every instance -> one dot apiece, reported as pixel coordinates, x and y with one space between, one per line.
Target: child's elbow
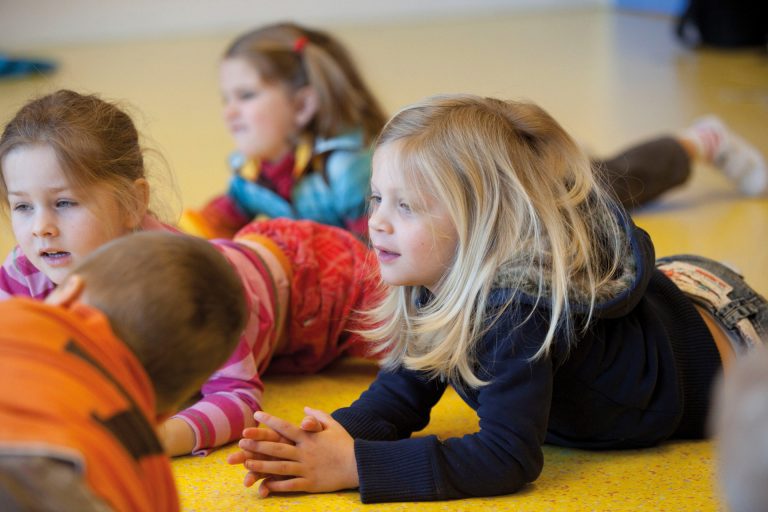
513 476
500 479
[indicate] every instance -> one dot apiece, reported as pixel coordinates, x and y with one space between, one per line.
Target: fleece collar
613 298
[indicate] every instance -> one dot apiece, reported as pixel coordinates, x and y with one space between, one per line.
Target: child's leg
712 141
334 277
645 171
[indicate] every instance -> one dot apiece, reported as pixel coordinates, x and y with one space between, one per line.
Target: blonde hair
174 300
95 143
524 202
297 56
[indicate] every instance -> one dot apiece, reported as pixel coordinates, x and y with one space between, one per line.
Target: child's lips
55 257
385 255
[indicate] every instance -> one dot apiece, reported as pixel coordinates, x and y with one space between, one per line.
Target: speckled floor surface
673 477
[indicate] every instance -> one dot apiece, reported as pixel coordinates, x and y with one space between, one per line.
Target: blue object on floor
10 67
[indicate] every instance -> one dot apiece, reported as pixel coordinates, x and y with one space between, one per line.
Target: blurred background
612 72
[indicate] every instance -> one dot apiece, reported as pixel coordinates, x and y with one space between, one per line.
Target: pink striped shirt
19 277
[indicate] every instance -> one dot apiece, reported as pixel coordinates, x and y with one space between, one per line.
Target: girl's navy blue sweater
640 375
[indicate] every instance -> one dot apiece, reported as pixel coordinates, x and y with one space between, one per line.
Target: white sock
734 156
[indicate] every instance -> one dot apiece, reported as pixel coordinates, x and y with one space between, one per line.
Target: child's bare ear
141 202
141 187
67 292
306 102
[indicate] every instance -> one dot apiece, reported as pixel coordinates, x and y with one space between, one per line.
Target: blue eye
374 199
65 203
21 207
406 207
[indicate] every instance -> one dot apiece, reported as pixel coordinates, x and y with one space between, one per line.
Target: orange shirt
69 389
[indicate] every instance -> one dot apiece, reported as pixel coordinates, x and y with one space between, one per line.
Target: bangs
424 171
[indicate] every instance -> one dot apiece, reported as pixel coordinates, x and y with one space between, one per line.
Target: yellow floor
610 78
674 477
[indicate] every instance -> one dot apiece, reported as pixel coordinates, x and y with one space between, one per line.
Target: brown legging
645 171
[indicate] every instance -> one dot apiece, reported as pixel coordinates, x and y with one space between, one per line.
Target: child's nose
230 110
44 225
378 222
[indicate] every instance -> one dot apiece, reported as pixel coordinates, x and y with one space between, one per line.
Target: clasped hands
316 456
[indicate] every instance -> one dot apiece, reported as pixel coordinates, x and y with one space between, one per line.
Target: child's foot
737 158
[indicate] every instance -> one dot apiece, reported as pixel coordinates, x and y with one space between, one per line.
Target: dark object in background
22 67
724 23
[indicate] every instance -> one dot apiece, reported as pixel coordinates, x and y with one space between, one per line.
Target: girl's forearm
177 437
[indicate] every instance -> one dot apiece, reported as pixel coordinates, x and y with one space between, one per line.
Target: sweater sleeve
394 406
500 458
229 399
232 394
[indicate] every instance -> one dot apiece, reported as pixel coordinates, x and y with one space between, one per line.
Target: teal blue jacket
337 196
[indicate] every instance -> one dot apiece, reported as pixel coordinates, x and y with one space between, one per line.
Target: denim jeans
740 310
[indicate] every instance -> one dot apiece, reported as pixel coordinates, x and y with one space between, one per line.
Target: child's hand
254 434
308 424
311 461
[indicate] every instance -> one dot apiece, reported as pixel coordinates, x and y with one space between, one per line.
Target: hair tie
300 43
